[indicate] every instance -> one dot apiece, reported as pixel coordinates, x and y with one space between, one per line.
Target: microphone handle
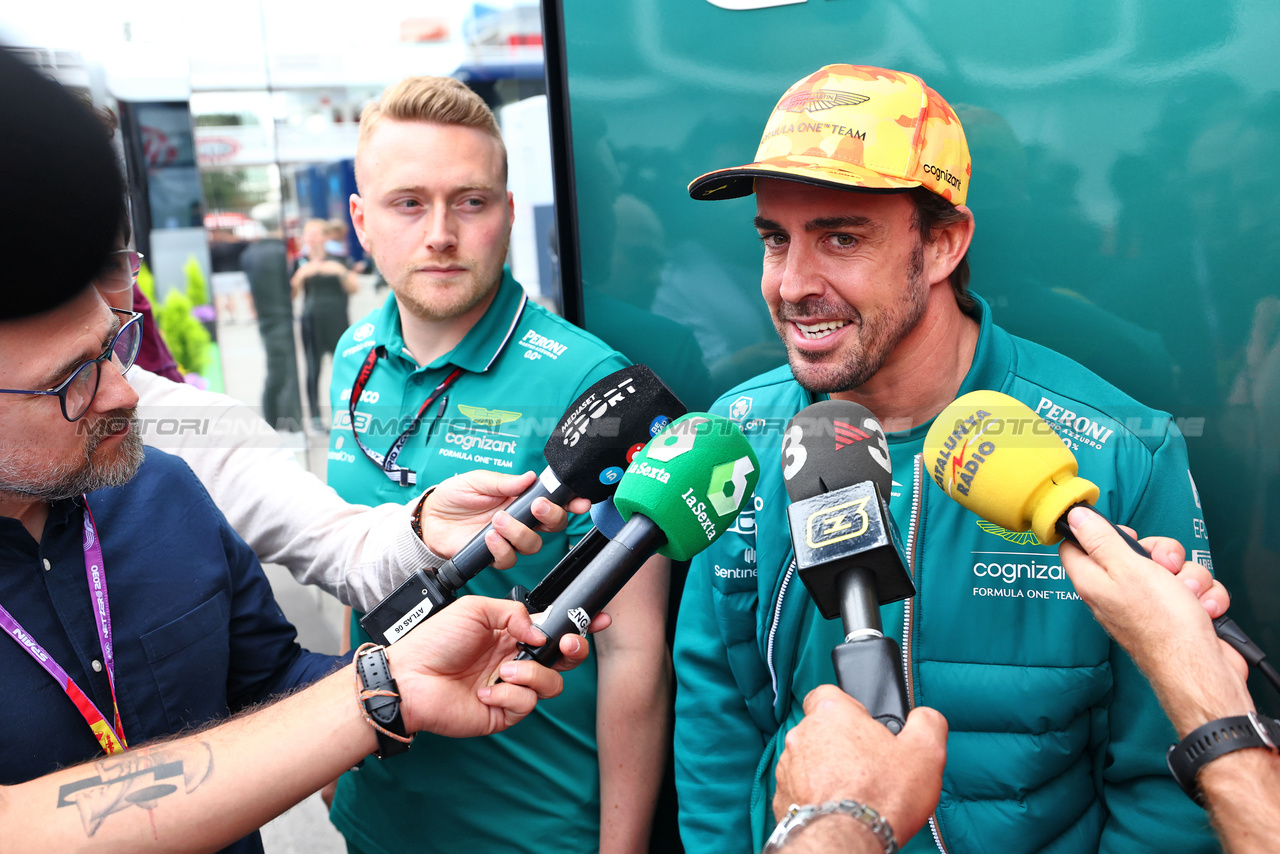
868 665
595 586
1064 528
1224 626
475 555
554 583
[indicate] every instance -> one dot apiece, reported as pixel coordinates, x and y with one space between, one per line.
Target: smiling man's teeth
820 330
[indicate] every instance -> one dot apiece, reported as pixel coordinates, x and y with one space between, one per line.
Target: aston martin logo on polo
1019 538
821 99
488 417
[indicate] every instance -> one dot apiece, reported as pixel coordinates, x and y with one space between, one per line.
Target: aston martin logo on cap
820 99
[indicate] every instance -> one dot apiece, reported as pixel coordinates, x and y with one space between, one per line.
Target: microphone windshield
606 426
690 481
995 456
831 445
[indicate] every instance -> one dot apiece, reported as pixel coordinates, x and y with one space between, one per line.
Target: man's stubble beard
876 339
408 297
88 473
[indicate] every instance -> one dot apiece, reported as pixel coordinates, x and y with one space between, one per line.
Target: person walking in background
265 262
327 282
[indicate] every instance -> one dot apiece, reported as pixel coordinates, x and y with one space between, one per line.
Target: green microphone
678 495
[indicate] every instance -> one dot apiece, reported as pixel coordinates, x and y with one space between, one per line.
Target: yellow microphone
995 456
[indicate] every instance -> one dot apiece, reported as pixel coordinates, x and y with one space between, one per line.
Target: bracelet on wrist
415 521
800 816
1216 739
379 700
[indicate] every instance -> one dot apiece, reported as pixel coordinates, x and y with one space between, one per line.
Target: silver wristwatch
798 816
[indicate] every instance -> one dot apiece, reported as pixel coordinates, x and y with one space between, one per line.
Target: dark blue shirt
198 634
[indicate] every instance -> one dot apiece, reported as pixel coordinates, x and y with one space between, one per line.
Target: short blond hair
441 100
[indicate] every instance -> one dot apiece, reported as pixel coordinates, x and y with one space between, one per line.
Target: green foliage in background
197 289
186 336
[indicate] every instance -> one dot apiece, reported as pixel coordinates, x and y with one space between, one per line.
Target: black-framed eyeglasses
77 391
119 272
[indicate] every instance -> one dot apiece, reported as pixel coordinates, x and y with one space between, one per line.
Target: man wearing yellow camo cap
1056 740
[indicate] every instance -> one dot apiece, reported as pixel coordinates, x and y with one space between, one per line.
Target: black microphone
677 497
597 436
607 523
835 461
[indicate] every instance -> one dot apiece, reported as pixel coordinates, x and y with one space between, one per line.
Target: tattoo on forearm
138 778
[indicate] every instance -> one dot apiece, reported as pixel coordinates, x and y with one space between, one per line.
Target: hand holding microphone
678 495
995 456
473 504
585 455
1152 614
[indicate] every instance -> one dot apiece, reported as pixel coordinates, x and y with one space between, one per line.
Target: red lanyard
111 738
401 475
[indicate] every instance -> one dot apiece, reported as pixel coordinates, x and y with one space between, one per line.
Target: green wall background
1122 190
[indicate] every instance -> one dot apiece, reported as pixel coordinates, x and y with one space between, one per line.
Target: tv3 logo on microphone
833 525
795 454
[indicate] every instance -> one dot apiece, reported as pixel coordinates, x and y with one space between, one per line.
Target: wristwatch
798 816
1218 738
375 675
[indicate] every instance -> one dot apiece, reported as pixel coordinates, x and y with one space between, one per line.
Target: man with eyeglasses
133 609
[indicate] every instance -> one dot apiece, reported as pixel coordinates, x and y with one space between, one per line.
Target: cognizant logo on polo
1011 571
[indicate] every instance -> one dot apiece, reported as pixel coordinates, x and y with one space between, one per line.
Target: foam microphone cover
831 445
994 455
835 462
601 431
691 481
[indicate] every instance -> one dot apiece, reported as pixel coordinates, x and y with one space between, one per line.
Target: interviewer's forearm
197 793
1243 792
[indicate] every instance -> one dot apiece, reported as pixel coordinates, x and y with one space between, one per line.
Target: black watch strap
375 675
1218 738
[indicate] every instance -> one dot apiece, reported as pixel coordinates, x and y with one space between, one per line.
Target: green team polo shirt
521 368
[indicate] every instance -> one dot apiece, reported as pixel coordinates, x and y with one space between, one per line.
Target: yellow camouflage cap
855 127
